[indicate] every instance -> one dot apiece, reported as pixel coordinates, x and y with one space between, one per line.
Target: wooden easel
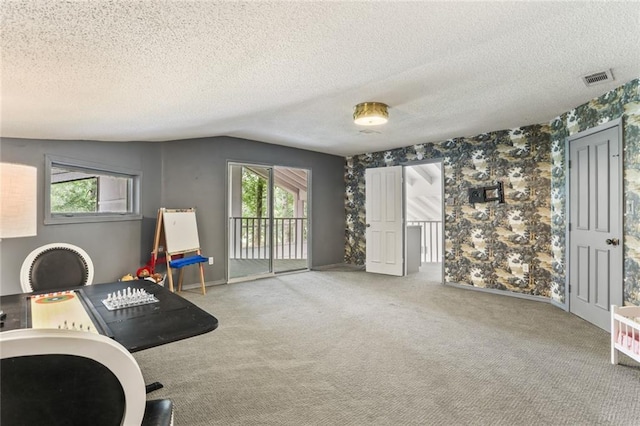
177 232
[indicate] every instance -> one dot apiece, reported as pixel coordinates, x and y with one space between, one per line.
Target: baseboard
295 271
563 306
339 267
196 286
500 292
250 278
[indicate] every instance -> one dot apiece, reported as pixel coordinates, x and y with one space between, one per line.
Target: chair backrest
52 377
54 267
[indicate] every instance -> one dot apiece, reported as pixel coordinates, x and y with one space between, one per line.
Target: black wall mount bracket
484 194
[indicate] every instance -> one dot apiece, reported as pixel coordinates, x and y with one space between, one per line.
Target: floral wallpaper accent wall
624 102
487 244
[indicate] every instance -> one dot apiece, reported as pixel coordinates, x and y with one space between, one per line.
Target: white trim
557 304
500 292
596 129
567 218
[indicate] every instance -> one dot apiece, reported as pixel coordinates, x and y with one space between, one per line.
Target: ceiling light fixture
370 114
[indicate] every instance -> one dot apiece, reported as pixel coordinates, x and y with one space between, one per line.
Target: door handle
368 225
612 241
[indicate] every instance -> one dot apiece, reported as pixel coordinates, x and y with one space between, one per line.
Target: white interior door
384 218
595 228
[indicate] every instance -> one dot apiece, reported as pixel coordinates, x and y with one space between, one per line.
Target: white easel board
180 231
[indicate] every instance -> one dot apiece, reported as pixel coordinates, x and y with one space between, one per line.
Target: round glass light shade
370 114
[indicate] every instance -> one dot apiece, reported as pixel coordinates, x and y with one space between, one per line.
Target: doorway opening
424 213
404 219
267 221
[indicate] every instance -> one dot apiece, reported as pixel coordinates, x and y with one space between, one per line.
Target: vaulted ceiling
289 73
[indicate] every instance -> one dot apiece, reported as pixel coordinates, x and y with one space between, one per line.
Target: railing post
432 234
249 237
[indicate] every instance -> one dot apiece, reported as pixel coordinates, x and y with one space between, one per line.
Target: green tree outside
254 197
76 196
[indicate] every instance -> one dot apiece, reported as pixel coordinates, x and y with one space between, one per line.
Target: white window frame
135 177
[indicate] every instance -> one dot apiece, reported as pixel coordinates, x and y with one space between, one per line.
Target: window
80 191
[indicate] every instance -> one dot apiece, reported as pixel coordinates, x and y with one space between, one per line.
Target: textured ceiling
289 73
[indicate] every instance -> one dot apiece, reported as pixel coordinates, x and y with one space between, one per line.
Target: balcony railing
250 238
431 237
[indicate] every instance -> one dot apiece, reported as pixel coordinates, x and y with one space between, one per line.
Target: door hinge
569 226
569 163
569 288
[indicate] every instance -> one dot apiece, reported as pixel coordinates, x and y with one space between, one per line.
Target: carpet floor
352 348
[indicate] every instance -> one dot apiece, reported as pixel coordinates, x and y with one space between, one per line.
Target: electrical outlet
211 261
525 268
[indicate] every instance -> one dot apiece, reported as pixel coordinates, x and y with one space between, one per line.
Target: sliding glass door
290 222
249 221
268 223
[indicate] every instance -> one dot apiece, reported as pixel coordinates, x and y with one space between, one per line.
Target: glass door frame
229 216
298 232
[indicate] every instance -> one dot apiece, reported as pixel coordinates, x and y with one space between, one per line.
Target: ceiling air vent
597 78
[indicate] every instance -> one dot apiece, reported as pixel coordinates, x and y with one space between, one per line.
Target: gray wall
188 173
114 247
194 175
